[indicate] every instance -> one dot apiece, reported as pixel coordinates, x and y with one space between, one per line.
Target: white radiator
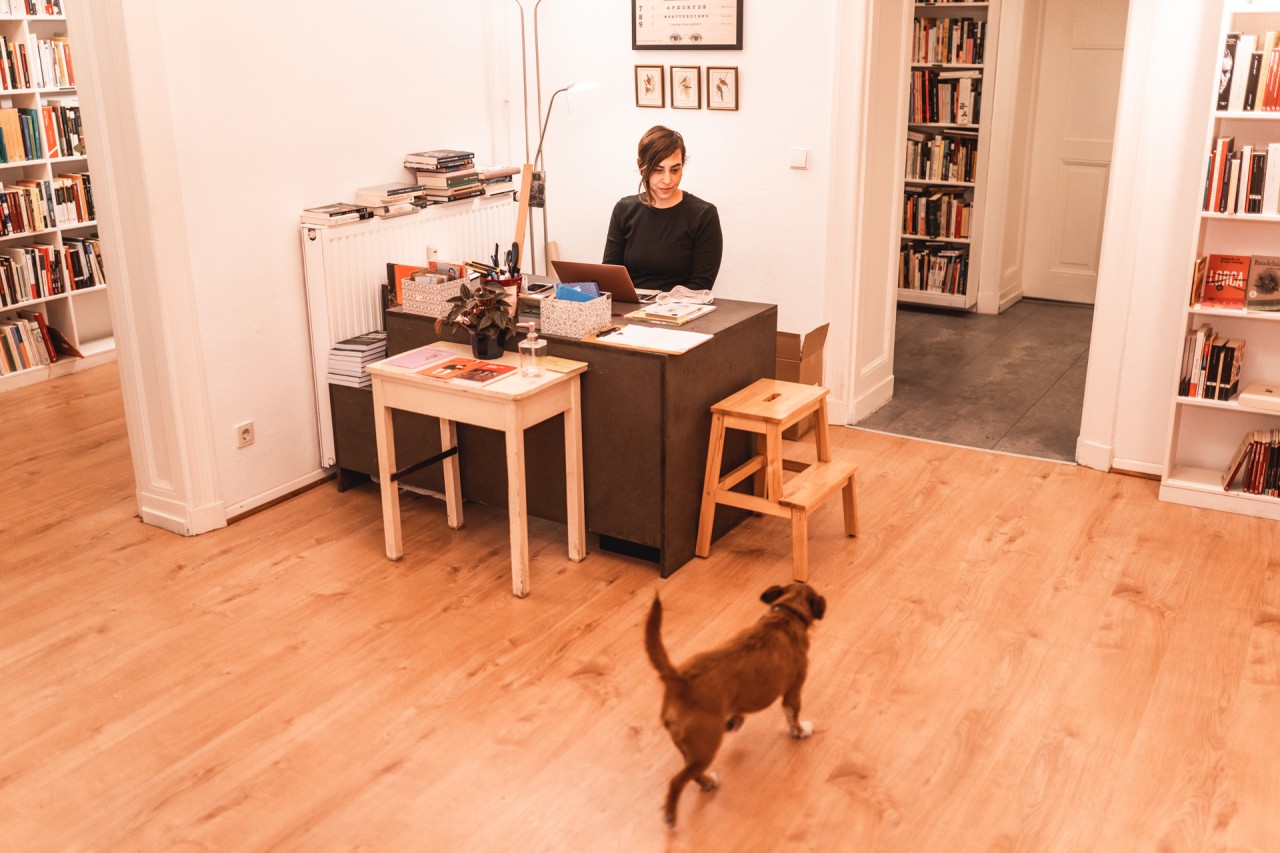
346 265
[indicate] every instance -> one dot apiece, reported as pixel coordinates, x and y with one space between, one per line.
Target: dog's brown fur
709 694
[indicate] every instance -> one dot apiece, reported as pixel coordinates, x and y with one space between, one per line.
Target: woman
664 236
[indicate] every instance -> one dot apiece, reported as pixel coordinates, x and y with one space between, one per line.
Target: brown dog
709 694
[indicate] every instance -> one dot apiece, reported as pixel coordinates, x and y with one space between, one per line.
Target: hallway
1012 382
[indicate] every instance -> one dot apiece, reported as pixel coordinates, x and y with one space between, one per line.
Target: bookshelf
950 54
44 172
1205 434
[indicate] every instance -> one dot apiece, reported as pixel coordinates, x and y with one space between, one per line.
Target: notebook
612 278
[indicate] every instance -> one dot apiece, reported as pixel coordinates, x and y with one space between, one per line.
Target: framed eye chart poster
686 24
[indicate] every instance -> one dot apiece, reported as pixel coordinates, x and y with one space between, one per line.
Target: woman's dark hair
657 144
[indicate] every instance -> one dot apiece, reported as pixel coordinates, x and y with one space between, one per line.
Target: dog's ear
817 605
772 594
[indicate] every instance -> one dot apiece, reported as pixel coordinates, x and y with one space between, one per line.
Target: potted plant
486 313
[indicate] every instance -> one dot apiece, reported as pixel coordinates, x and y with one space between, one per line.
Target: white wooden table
510 404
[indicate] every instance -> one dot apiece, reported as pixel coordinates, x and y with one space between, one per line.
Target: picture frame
686 87
722 87
651 86
705 25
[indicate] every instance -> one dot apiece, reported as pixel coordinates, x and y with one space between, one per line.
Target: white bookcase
1204 434
81 315
933 129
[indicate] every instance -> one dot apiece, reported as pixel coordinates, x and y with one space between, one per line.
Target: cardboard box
799 359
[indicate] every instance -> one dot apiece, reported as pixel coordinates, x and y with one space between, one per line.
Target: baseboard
237 511
872 400
177 517
1093 455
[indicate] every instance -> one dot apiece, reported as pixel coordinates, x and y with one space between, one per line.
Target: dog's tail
653 643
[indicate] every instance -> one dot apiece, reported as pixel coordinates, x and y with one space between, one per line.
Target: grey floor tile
1012 382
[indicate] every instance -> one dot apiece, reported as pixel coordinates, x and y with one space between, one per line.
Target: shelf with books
1235 280
949 59
51 262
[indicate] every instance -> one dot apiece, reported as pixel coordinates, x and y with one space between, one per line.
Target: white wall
1152 209
773 216
247 114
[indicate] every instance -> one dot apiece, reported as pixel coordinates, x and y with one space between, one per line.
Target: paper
419 357
651 338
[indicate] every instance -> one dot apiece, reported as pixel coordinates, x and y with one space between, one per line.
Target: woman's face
664 181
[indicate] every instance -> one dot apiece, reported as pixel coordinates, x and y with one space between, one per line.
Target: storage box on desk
566 319
429 294
799 359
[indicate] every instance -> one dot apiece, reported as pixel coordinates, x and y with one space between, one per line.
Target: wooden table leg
385 432
710 485
822 432
452 476
516 510
575 507
773 463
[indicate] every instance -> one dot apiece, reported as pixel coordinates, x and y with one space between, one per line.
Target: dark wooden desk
646 419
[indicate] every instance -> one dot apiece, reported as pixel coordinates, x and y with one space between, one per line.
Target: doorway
1014 380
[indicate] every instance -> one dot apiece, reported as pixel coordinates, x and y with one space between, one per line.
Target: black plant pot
488 345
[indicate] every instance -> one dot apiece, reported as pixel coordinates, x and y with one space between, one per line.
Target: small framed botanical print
650 87
686 87
722 88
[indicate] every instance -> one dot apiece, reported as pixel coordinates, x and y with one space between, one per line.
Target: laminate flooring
1017 655
1012 382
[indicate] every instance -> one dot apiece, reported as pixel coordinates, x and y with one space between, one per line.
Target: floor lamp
537 191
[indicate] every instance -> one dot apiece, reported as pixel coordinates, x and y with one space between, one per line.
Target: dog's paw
802 731
709 782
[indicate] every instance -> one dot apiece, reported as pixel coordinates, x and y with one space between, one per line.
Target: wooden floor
1017 655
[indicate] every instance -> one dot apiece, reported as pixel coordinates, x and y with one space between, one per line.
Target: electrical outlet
244 434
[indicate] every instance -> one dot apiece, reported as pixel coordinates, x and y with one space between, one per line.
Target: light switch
799 158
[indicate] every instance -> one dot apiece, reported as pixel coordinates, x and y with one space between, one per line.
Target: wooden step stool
766 407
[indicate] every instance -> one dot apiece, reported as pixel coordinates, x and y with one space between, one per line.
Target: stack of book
1211 365
498 180
24 343
337 213
348 358
1256 463
446 174
393 199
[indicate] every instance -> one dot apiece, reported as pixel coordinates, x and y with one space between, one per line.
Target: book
448 369
461 193
43 328
1246 44
1195 380
1230 362
63 344
1263 292
487 172
460 178
380 194
1226 280
1233 468
364 343
438 157
674 313
483 373
421 356
332 211
1197 278
1251 87
1226 69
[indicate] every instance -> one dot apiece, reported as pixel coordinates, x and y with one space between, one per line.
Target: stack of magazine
348 358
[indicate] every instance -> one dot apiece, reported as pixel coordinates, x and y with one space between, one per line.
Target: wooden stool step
765 408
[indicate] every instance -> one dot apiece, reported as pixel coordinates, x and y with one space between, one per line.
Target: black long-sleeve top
664 247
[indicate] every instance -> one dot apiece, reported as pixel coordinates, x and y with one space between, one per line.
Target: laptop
612 278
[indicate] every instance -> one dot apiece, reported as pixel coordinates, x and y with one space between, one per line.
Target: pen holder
566 319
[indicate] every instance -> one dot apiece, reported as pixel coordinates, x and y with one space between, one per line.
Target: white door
1082 46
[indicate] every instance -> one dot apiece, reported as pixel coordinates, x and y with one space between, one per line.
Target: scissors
497 270
513 260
